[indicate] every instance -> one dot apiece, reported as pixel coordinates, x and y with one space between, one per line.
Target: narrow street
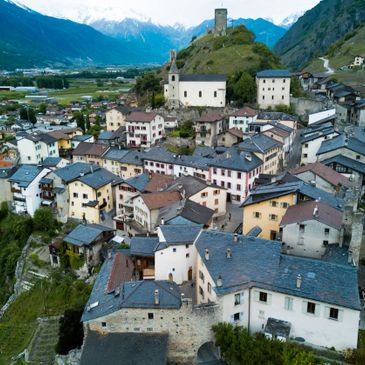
294 160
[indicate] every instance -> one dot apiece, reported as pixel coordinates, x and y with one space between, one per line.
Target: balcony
16 190
18 199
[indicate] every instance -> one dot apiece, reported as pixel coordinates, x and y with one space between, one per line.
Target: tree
42 108
27 113
295 87
43 220
87 122
244 90
148 83
80 120
4 210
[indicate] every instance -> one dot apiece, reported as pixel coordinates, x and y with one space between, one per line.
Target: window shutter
241 316
317 310
340 315
256 295
241 298
304 306
327 312
269 298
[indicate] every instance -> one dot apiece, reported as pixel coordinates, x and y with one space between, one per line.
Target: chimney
162 221
349 257
299 281
235 237
206 254
219 281
229 253
315 211
157 297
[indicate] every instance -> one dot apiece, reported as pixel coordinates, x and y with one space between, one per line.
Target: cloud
187 12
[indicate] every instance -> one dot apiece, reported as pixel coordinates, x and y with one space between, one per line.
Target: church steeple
173 68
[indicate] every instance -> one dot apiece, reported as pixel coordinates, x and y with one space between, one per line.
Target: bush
36 261
43 220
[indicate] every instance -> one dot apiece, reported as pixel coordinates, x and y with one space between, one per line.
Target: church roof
173 68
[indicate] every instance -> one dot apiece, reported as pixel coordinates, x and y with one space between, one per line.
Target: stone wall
188 327
305 106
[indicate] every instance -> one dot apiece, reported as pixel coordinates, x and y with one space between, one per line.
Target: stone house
208 127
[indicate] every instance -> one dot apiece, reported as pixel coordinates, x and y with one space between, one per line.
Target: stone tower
173 91
220 21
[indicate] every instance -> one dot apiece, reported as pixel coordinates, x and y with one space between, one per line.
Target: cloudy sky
187 12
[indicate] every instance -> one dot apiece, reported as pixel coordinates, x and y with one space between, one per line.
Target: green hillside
236 52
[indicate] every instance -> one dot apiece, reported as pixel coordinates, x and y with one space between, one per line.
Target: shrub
43 220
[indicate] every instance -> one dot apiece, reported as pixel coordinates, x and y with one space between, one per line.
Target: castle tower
220 21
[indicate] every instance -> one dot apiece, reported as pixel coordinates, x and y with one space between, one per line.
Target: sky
186 12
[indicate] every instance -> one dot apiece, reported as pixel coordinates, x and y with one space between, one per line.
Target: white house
314 300
242 118
195 90
308 228
358 62
273 88
175 255
144 129
36 147
25 187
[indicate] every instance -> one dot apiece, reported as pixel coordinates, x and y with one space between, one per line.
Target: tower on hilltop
220 21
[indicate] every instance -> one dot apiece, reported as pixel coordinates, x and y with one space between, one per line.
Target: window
238 299
173 78
288 305
311 307
274 203
185 94
284 205
200 94
263 297
150 315
229 173
238 175
201 276
216 201
215 94
103 324
306 145
187 255
325 243
301 228
84 196
272 97
209 286
201 292
216 192
174 250
238 187
326 231
305 155
333 313
75 195
257 215
236 317
282 97
273 217
358 157
204 195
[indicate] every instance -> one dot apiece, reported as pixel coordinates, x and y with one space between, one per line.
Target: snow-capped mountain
290 20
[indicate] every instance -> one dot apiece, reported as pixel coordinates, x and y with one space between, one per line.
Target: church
206 90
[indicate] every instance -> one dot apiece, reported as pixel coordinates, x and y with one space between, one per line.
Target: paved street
234 212
294 160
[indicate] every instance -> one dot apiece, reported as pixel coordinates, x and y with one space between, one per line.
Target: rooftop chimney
219 281
157 297
315 211
299 281
229 253
206 254
349 257
235 237
162 221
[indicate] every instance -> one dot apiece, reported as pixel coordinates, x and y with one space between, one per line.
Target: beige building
116 118
90 153
273 88
208 127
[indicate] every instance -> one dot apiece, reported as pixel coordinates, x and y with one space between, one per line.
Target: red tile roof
305 212
325 173
141 117
210 117
162 199
94 149
122 271
236 132
244 112
157 182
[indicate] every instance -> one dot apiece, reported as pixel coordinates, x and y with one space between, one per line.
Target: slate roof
51 161
106 136
273 73
325 172
25 175
157 182
41 137
305 212
244 161
342 141
274 190
133 294
99 178
133 157
138 182
115 154
307 137
86 148
187 209
81 137
321 281
173 68
179 234
86 234
190 184
124 349
203 77
73 171
258 143
143 246
278 131
346 161
160 199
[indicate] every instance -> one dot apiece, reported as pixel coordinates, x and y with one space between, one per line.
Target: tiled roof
203 77
307 137
81 137
347 162
115 154
179 234
41 137
138 182
236 132
75 170
259 143
133 157
122 270
157 182
325 172
244 112
86 234
143 246
312 210
25 175
160 199
51 161
94 149
124 348
278 131
210 117
190 184
342 141
273 73
244 161
99 178
141 117
322 281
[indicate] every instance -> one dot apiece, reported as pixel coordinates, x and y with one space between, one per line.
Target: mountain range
30 39
318 29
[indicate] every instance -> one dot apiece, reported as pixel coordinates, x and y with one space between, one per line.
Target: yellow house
64 137
131 164
91 196
267 204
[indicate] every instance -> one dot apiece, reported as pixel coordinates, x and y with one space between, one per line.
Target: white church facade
207 90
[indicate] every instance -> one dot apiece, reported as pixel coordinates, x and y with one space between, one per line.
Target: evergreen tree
87 122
